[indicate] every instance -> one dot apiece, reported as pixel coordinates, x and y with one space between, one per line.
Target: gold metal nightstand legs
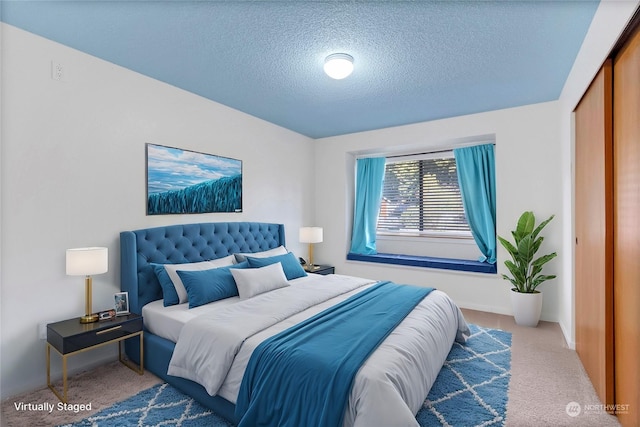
139 369
62 398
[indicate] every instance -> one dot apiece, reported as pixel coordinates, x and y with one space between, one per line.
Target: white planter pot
526 307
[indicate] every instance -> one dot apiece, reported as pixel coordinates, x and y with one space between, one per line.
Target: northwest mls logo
573 409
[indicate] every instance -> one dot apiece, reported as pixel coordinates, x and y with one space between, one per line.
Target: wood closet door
626 140
594 238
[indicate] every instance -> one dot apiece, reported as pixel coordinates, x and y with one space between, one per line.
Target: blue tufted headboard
178 244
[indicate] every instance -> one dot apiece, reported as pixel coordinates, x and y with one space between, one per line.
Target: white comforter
214 349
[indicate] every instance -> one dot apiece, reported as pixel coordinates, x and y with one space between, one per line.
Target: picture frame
182 181
121 303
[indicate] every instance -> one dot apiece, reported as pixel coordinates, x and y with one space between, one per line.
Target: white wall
528 173
73 174
608 23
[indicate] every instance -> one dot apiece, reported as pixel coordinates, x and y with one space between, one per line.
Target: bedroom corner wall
608 23
73 174
529 132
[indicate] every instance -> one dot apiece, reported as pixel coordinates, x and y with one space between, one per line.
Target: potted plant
526 269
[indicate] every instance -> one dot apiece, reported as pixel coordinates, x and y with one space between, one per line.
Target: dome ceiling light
338 65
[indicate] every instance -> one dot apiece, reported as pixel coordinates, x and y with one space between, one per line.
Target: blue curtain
369 179
476 177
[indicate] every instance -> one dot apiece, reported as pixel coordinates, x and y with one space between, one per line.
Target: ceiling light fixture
338 65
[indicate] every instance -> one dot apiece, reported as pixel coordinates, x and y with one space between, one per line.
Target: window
421 196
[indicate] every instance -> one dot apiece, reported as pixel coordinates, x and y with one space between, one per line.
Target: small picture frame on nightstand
122 303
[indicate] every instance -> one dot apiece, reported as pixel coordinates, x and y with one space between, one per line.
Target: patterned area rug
471 390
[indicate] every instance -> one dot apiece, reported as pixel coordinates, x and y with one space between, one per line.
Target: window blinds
422 196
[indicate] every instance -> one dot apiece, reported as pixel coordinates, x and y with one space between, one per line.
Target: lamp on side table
311 235
85 262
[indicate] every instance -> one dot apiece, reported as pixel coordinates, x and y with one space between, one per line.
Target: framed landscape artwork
188 182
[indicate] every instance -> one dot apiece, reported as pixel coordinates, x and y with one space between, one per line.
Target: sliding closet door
626 139
594 238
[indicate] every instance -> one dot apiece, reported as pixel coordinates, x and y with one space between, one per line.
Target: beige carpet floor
546 377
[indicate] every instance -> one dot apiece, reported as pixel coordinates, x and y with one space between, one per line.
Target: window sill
427 262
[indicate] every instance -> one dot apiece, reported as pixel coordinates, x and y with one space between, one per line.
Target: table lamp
85 262
311 235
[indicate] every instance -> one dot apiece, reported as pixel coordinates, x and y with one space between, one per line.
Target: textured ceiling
414 61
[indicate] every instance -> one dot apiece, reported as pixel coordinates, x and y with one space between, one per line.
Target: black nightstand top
320 269
70 327
70 335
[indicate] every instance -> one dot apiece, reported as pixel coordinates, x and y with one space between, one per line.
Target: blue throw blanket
303 375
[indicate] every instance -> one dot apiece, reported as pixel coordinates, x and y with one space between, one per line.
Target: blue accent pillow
168 289
205 286
290 264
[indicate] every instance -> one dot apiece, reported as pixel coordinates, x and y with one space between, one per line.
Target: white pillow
193 266
280 250
254 281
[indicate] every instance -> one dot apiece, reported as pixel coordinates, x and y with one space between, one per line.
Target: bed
436 321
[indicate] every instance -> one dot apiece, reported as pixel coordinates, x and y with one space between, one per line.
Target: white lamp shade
87 261
338 66
310 234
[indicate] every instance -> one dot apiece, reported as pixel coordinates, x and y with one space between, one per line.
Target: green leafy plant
526 271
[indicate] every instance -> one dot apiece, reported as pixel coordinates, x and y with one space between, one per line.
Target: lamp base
89 318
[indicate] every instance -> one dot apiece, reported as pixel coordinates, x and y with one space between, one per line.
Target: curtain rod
433 152
419 154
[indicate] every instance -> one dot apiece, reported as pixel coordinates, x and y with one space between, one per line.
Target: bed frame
178 244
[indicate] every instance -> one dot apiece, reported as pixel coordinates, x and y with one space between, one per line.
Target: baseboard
485 308
567 336
547 317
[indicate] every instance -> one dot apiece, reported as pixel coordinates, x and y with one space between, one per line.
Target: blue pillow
290 264
205 286
168 289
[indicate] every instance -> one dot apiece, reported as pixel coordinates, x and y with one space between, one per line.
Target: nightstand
320 269
71 337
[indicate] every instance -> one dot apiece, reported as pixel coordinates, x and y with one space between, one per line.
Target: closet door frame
594 233
626 166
